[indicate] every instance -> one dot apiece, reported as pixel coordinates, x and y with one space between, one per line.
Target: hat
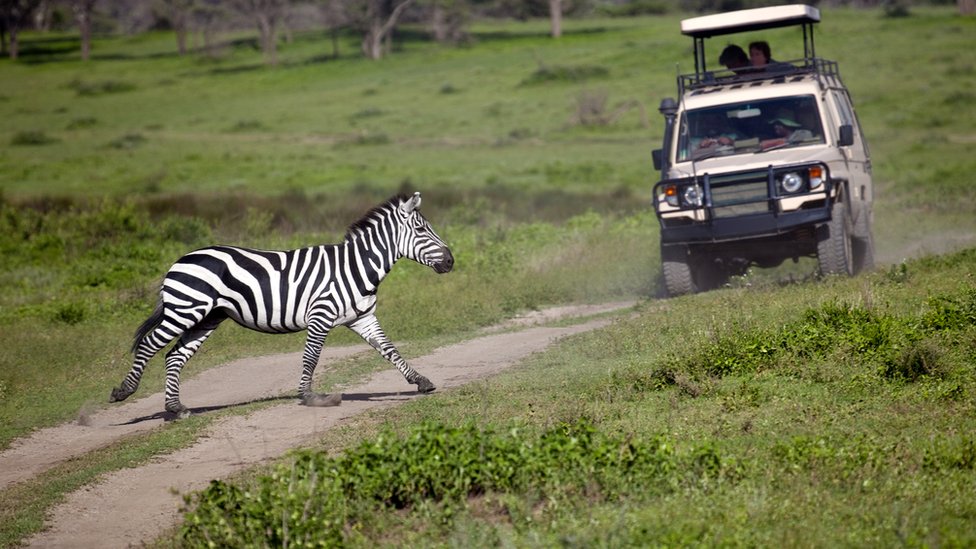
786 122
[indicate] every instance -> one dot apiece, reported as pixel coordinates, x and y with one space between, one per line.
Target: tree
267 15
381 18
448 19
335 16
83 15
178 12
14 15
556 18
966 7
206 16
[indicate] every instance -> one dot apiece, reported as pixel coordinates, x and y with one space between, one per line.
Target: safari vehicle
761 165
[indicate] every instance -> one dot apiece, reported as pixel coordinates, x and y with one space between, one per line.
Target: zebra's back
270 291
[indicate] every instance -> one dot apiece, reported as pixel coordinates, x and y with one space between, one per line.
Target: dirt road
133 506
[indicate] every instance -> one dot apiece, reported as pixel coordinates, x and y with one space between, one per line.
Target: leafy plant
32 138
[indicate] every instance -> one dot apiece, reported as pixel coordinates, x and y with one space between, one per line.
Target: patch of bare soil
133 506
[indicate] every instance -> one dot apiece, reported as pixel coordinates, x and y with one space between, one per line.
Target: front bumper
743 205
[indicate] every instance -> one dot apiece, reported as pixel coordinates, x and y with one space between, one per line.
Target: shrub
320 500
556 73
82 123
90 89
248 126
32 138
127 141
69 313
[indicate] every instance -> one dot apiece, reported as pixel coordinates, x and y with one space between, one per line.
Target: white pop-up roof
749 20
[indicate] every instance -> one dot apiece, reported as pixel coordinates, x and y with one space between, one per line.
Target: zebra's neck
372 251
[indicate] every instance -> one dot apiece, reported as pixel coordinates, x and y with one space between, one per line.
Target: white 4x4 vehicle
761 165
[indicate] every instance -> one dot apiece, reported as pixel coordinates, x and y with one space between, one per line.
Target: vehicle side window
843 108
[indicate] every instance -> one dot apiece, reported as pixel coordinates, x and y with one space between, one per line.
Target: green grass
719 432
109 170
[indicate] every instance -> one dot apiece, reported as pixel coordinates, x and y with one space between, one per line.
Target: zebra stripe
313 289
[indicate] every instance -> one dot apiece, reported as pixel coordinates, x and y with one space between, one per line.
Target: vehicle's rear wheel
835 253
863 245
676 266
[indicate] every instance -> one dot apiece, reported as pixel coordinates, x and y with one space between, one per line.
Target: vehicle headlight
692 195
792 182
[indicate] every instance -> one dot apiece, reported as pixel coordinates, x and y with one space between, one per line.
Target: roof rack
826 72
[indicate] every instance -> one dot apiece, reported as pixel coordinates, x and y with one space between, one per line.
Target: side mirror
846 137
656 154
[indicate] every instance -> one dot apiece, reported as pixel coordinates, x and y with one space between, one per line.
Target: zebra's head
418 241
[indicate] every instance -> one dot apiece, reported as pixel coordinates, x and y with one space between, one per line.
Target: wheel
835 254
676 267
863 244
710 275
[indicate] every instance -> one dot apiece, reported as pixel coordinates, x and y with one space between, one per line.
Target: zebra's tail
154 320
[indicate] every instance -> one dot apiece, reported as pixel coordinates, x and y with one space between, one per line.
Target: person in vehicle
760 54
734 58
761 58
713 132
787 130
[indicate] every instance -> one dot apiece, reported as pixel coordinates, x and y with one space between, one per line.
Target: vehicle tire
835 253
676 267
709 275
863 244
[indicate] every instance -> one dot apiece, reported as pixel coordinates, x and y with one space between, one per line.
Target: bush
127 141
320 500
577 73
91 89
32 138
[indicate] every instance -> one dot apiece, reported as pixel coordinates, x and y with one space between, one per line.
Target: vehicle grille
739 197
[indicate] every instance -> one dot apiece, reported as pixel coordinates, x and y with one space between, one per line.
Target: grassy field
111 169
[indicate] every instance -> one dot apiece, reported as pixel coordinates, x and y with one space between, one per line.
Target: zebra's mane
365 221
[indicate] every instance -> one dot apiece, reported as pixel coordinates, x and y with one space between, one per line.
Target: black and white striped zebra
313 289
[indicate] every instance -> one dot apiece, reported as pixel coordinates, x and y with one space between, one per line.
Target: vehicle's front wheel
835 254
676 266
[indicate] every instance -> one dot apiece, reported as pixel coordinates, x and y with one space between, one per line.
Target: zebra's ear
411 204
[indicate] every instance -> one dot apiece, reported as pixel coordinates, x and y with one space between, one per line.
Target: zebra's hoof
181 412
314 399
119 394
424 385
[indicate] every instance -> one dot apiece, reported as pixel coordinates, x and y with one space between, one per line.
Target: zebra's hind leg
368 327
176 358
150 337
317 332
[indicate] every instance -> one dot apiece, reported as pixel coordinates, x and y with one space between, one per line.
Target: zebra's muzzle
446 262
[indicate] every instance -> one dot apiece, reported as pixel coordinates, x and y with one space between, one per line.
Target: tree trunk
335 42
966 7
378 31
180 40
14 43
438 23
83 14
556 17
269 39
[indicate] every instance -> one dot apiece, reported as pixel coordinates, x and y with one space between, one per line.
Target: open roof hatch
733 22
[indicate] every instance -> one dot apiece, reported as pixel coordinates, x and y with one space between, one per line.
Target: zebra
313 289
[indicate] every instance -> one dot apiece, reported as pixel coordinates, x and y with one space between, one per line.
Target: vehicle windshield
750 127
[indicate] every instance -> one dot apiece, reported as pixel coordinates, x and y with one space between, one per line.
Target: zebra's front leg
368 327
317 333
